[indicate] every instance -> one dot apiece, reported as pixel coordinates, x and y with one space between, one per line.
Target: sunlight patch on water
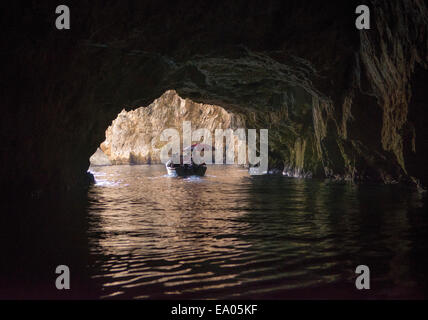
102 179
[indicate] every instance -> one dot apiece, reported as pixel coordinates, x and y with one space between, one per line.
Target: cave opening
135 136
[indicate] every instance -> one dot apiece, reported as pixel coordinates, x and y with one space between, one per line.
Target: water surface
232 235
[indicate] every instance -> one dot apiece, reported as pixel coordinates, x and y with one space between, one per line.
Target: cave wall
338 102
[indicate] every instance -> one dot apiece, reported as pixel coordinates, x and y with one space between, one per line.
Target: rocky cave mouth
134 136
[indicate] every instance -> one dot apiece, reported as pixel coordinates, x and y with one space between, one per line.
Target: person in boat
191 168
171 164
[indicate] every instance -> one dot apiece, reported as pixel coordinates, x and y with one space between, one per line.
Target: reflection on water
231 235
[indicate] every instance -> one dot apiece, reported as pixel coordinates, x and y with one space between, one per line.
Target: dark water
231 235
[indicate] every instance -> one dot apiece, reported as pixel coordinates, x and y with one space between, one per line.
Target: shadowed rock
99 158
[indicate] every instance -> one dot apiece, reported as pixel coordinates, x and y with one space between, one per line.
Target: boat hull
187 171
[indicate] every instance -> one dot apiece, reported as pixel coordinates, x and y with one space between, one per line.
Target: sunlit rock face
134 136
99 158
338 102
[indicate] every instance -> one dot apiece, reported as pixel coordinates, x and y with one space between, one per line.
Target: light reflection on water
231 235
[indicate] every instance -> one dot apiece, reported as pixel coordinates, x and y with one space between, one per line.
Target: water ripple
229 235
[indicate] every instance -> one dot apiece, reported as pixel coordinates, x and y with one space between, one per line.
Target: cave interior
340 103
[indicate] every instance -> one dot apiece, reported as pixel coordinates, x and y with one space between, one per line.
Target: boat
186 170
191 169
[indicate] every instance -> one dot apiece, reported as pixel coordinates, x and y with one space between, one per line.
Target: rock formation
338 102
99 158
134 136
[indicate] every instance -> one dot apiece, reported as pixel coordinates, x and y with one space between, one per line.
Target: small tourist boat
192 169
183 170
